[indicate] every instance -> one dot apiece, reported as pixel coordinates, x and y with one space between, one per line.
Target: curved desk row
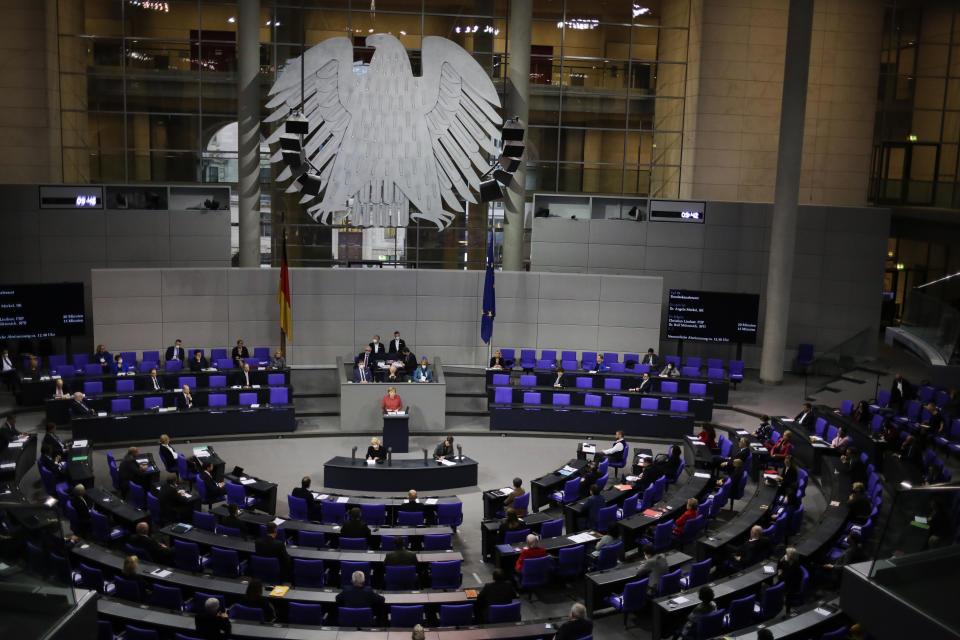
138 615
355 474
717 388
700 406
148 425
579 419
15 460
599 584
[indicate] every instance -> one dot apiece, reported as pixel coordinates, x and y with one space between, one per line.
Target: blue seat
450 514
501 379
670 583
699 574
591 400
374 515
521 502
409 518
307 614
561 399
137 496
333 512
226 563
355 617
92 387
609 556
740 613
692 530
771 601
662 535
503 395
400 578
233 532
570 562
101 530
606 516
120 405
691 372
551 528
528 358
570 493
353 544
166 597
629 507
584 382
517 536
217 354
456 615
504 613
307 573
278 395
312 539
242 612
236 494
205 521
139 633
650 404
247 399
632 600
710 625
611 383
446 574
436 542
679 406
531 397
348 567
536 572
298 508
186 556
92 578
622 462
406 616
267 569
546 364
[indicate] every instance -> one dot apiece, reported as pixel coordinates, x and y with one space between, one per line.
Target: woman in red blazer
532 550
783 447
687 515
391 401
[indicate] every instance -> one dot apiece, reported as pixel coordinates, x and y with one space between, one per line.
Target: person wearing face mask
423 373
377 348
117 364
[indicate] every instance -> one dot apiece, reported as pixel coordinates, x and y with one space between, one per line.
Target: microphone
424 457
389 456
459 452
353 455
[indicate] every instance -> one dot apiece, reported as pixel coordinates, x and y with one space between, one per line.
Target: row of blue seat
81 360
568 360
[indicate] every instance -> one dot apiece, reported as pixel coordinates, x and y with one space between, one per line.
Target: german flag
283 295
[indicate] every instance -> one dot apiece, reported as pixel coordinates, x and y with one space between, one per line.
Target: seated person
168 455
198 363
790 478
764 432
409 360
515 493
215 490
212 623
141 539
501 591
858 504
743 452
376 451
706 606
933 474
891 434
757 548
670 371
412 504
444 450
102 357
242 377
670 463
806 416
650 358
185 398
268 546
153 382
577 626
303 492
423 373
359 596
254 598
688 515
592 506
354 527
650 473
365 358
789 572
532 550
615 452
645 385
174 504
118 366
400 556
653 568
57 446
842 440
934 423
600 366
51 462
498 361
9 371
394 375
708 436
82 505
612 536
58 390
511 522
278 361
588 477
560 381
130 470
175 352
377 349
238 353
851 463
232 519
391 401
78 407
782 448
862 413
361 374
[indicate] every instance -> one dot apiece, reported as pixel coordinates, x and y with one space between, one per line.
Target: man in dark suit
215 490
358 596
8 430
142 539
651 358
899 392
174 503
153 382
411 504
8 369
212 623
757 548
650 474
303 492
184 398
653 568
409 361
500 591
577 626
239 352
51 439
444 449
176 352
377 349
81 505
168 455
102 357
561 380
805 417
268 546
400 556
242 377
397 345
742 454
361 373
198 362
78 407
355 527
851 463
645 385
131 471
51 462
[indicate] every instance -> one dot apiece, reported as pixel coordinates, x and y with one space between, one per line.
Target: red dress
529 552
707 439
681 522
391 404
782 449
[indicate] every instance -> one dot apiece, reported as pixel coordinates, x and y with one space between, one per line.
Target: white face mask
375 341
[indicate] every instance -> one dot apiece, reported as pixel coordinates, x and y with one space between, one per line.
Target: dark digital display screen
41 310
712 316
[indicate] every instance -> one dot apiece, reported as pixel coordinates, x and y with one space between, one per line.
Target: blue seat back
608 556
504 613
503 395
307 573
445 574
670 583
551 528
399 578
456 615
571 561
406 615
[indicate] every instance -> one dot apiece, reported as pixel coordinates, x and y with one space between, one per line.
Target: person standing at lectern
444 450
239 353
423 373
391 401
176 352
375 451
199 363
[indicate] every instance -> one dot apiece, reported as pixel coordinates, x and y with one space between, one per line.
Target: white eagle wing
328 87
458 100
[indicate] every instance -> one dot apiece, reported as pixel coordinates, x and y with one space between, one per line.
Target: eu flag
489 299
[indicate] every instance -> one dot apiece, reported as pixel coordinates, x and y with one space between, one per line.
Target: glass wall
149 95
917 132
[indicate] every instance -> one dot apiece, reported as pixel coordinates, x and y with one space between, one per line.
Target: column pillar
248 130
518 105
783 229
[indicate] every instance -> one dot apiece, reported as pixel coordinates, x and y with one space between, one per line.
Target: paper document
589 448
246 481
632 478
769 569
701 474
504 491
279 591
320 496
679 600
447 463
430 501
161 573
581 537
101 414
822 611
343 499
278 521
78 444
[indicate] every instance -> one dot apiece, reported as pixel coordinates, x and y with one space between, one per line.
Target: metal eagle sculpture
379 139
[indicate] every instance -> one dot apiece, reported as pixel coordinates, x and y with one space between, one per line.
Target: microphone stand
459 452
425 463
353 455
389 456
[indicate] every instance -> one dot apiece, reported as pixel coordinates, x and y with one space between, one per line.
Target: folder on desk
279 591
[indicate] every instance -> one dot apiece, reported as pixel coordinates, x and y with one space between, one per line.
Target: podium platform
426 402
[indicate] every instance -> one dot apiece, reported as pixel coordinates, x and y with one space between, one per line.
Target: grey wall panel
566 254
186 248
518 284
568 336
132 282
261 307
385 307
452 309
200 335
520 310
675 234
322 281
447 284
660 259
720 261
132 309
627 339
152 225
311 332
721 237
254 333
618 257
629 314
56 248
447 333
515 335
199 223
72 223
385 282
115 335
569 287
719 282
323 307
618 232
138 250
583 312
195 308
195 282
252 281
562 230
631 289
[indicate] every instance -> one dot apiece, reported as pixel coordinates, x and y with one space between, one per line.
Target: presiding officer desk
206 421
355 474
360 402
126 612
717 388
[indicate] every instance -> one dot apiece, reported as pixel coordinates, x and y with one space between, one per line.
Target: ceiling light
232 19
369 30
457 29
402 32
640 11
580 24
